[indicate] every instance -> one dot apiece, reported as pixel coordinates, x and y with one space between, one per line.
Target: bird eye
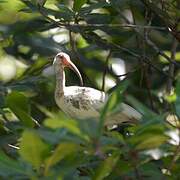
60 56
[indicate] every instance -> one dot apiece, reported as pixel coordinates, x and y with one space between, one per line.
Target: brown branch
153 45
59 23
174 159
105 70
169 85
171 66
72 43
173 28
114 26
125 74
147 76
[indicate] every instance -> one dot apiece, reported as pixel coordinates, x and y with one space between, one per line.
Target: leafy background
40 142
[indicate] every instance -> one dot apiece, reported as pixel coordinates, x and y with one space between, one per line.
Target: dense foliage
37 140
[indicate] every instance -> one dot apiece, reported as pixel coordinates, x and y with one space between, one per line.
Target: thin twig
171 66
148 86
171 73
149 42
59 23
174 159
147 77
152 44
125 74
145 59
105 70
139 46
14 147
114 25
72 43
173 28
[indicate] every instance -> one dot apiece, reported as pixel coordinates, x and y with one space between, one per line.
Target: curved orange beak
70 64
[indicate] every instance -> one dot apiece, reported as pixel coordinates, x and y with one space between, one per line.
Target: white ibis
84 102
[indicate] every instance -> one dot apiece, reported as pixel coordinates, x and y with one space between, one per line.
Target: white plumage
85 102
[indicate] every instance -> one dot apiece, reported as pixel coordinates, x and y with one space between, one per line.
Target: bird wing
86 102
123 113
83 102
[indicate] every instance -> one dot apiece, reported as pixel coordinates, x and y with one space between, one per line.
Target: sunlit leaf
106 167
78 4
61 151
113 101
19 105
171 98
86 10
168 53
148 140
33 149
71 125
36 67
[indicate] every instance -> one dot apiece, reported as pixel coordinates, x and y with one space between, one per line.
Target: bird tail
124 113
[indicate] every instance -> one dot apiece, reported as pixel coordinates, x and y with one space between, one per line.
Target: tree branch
153 45
105 70
171 66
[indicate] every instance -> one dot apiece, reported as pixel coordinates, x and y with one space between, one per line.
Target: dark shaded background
142 33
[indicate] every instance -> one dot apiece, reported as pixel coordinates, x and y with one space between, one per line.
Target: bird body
81 102
85 102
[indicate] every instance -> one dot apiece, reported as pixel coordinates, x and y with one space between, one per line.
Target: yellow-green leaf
78 4
151 141
60 153
9 166
71 125
19 105
33 149
106 167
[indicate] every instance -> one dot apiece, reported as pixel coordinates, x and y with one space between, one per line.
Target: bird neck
60 81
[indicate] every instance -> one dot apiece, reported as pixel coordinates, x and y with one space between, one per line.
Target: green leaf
148 140
168 53
3 1
113 101
62 150
106 167
86 10
19 105
124 166
63 13
18 99
9 166
30 4
71 125
151 171
150 134
78 4
141 107
36 67
33 149
41 2
171 98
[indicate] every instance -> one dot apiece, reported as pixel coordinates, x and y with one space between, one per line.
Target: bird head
63 60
